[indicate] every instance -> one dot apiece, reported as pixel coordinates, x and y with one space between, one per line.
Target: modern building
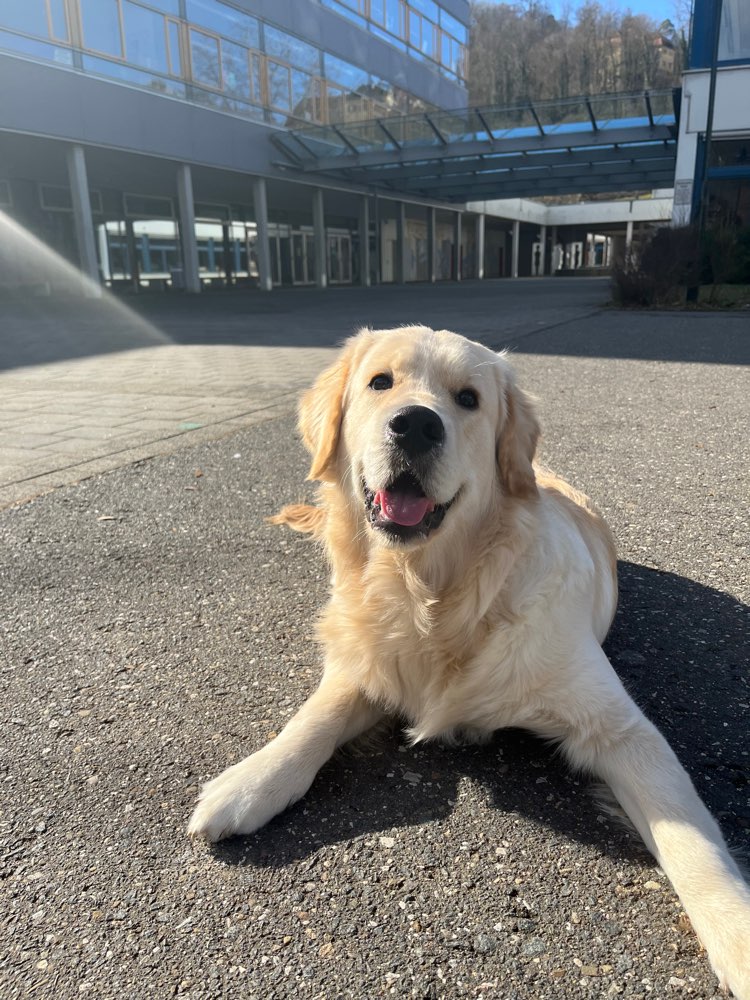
722 131
137 136
197 143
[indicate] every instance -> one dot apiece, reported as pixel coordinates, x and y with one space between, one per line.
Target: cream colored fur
496 619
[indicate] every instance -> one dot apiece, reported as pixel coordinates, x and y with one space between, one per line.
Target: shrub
656 273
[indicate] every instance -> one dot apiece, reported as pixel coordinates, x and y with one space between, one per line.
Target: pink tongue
403 508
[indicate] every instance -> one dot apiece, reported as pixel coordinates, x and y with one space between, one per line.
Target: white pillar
262 246
458 236
515 248
479 240
543 249
432 245
364 241
401 243
553 256
628 237
319 235
83 220
188 241
104 252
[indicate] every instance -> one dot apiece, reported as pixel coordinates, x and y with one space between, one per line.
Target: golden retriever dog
470 591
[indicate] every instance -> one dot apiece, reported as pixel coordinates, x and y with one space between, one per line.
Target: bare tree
522 51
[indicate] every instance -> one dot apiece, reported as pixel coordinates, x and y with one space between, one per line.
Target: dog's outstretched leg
247 795
621 746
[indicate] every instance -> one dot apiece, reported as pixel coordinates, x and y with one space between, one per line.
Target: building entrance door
303 258
340 258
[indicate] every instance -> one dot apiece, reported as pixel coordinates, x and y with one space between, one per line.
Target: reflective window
422 34
427 7
145 38
256 75
303 95
393 20
734 40
454 27
235 68
348 8
344 73
37 49
278 86
292 50
229 21
25 15
100 20
204 57
175 54
129 74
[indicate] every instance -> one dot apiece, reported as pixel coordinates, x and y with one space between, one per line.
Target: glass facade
420 27
215 54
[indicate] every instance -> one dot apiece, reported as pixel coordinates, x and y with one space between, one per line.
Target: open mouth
402 509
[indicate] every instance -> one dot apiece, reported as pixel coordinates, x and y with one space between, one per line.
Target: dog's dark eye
468 399
380 382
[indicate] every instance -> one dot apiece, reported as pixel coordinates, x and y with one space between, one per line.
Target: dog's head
420 427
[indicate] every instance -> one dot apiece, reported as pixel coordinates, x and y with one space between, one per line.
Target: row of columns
84 227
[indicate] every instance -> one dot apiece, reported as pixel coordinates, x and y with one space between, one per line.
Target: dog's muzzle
402 510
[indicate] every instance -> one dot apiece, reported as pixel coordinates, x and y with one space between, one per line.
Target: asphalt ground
155 629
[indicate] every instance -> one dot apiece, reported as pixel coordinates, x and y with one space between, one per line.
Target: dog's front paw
245 797
729 952
733 970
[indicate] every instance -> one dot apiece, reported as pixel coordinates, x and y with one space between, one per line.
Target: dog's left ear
320 413
517 440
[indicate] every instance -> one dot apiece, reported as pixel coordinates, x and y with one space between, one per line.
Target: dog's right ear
320 413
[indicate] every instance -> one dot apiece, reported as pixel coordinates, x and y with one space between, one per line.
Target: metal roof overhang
613 142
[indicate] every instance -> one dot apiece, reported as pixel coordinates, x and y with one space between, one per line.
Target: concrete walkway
86 387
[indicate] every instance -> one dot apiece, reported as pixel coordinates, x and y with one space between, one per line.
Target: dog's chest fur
411 650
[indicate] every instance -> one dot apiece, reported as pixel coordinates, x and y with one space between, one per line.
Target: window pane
145 42
204 55
427 7
278 86
414 26
175 58
225 20
235 69
393 17
139 77
303 95
101 26
377 10
455 27
24 15
734 39
343 72
59 20
347 9
292 50
38 49
256 78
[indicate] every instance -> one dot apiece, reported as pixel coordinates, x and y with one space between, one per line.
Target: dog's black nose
416 429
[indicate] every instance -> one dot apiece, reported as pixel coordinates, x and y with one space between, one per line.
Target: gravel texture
155 629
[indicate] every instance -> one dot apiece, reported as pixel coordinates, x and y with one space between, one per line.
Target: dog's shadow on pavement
681 651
